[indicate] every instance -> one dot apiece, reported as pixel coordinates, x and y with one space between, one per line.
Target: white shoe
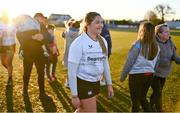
102 82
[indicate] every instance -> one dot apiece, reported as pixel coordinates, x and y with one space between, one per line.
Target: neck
162 40
92 35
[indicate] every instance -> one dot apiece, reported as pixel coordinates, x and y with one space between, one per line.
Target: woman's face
164 35
96 25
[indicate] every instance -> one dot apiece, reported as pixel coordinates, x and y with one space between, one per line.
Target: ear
159 34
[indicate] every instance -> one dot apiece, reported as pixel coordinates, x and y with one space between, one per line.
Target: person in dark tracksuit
106 35
33 54
167 55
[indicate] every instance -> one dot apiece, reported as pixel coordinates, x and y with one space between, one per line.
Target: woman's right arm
75 54
72 70
175 57
130 61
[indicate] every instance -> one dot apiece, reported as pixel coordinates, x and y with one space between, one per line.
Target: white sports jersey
25 23
8 34
88 54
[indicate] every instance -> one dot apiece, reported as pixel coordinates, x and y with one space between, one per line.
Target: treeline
120 22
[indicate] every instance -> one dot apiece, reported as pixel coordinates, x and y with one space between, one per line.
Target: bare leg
88 105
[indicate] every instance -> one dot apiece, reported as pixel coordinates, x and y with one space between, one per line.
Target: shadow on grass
62 96
9 95
27 103
48 105
120 102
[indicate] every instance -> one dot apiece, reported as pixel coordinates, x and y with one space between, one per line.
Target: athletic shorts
4 49
87 89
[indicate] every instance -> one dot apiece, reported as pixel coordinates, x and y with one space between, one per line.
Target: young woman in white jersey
86 62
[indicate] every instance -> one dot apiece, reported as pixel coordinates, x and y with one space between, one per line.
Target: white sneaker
102 82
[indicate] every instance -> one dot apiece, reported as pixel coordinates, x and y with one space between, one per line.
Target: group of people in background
86 53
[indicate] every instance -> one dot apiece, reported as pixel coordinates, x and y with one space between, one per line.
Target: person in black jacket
106 34
33 54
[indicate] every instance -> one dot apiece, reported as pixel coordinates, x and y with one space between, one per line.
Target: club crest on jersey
90 46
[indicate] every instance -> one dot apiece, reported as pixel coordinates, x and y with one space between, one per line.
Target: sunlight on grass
11 98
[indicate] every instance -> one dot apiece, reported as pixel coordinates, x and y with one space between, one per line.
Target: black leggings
139 85
39 61
156 97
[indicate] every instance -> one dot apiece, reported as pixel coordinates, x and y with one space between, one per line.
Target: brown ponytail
103 46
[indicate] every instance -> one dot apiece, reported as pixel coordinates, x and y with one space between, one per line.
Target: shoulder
137 45
79 40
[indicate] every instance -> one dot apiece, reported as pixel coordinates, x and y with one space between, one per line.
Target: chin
98 32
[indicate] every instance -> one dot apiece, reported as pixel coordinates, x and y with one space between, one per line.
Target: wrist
74 96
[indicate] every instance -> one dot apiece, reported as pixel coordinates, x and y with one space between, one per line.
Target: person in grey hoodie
167 55
69 35
140 64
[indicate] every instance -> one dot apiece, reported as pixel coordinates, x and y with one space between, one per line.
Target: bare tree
163 10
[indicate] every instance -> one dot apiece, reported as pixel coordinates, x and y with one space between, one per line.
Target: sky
109 9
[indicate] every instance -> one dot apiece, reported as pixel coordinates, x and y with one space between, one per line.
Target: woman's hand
75 101
110 91
38 37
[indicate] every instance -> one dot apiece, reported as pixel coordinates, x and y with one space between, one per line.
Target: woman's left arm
107 76
175 57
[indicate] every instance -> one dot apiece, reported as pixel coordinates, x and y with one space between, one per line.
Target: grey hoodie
69 35
167 55
136 63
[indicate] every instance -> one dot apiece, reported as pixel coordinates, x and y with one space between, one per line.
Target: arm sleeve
26 36
107 74
130 61
72 70
75 52
175 57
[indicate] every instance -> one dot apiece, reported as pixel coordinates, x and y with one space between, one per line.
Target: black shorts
87 89
4 49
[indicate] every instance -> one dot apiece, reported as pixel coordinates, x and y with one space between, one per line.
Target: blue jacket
105 33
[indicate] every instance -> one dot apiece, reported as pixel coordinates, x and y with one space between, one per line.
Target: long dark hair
146 36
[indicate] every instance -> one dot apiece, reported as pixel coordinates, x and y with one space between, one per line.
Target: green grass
12 100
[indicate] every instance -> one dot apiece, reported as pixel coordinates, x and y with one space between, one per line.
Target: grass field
11 98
